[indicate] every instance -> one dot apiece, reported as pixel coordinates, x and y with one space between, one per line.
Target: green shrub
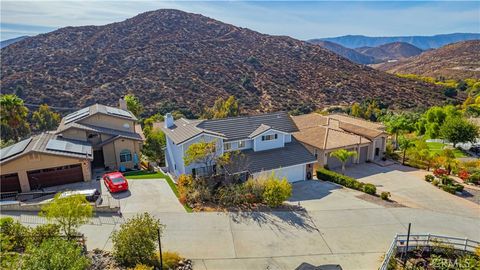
13 235
231 195
429 178
458 187
276 191
435 182
44 232
346 181
449 188
254 189
55 254
385 195
141 267
370 189
136 241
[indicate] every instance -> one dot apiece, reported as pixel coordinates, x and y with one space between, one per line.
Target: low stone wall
36 207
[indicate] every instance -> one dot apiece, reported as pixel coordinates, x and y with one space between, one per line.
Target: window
269 137
315 153
227 146
125 155
241 144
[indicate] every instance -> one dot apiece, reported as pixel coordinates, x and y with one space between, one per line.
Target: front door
98 161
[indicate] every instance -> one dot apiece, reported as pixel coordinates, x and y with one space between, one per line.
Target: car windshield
117 179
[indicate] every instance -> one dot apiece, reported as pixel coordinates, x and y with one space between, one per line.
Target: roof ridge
244 116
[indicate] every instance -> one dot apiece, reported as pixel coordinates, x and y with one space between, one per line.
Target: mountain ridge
179 60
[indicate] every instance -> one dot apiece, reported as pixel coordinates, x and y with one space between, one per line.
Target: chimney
168 120
122 104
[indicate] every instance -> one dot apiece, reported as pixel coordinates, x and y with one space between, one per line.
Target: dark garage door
9 183
363 154
55 176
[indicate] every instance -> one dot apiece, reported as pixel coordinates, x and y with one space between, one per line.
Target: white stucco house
265 140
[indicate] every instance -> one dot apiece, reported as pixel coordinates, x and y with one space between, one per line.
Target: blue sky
298 19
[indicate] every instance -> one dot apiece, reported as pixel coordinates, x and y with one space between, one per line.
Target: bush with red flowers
463 174
440 172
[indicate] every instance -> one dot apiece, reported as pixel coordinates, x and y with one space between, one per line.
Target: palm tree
342 155
14 114
449 160
405 144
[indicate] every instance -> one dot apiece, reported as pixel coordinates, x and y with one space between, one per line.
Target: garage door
293 174
55 176
334 163
363 154
10 183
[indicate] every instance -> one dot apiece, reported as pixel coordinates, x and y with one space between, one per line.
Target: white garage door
293 174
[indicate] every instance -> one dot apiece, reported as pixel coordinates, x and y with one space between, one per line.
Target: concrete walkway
336 227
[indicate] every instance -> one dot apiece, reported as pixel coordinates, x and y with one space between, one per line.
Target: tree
135 242
433 119
222 109
458 130
68 212
55 254
447 160
405 144
45 119
399 123
13 114
343 155
134 105
356 110
154 146
202 152
428 157
148 123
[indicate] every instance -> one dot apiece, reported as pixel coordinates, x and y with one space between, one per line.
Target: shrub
231 195
276 191
13 235
135 242
184 185
44 232
370 189
141 267
429 178
458 188
55 254
254 189
170 260
474 178
385 195
435 182
440 172
449 188
68 212
445 180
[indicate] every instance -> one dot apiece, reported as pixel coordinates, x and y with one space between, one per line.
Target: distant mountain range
422 42
371 55
460 60
173 60
7 42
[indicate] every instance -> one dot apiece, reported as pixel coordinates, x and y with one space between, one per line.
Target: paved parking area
335 227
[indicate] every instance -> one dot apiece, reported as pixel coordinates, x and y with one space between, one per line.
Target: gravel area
379 201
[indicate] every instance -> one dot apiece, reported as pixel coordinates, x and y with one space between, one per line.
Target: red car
115 182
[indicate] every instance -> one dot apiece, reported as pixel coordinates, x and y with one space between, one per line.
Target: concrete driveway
335 227
408 187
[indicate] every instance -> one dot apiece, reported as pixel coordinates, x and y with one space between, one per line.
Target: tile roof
294 153
261 129
234 128
357 121
361 130
326 138
104 130
310 120
39 143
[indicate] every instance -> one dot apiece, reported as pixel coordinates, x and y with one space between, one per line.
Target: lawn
437 147
139 175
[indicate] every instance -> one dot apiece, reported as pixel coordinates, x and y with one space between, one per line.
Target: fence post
466 244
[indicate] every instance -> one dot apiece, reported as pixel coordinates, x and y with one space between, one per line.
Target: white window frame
242 144
225 148
269 137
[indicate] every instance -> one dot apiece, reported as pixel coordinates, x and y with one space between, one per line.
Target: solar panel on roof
120 112
15 149
84 110
68 147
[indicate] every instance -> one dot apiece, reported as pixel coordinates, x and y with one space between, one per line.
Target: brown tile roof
361 130
357 121
310 120
325 138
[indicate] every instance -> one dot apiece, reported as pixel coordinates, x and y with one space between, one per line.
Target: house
97 136
265 141
322 135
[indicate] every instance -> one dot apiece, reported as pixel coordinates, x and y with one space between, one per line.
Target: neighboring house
325 134
98 136
265 141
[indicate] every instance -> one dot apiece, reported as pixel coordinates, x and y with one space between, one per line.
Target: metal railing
426 241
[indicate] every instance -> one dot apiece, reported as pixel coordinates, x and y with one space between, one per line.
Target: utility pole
406 247
160 248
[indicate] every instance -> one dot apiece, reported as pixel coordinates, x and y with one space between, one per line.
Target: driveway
408 187
335 227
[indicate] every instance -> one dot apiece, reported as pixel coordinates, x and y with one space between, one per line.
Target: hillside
177 60
5 43
390 51
455 61
422 42
350 54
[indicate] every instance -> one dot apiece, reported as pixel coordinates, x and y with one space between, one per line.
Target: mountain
176 60
7 42
390 51
460 60
422 42
350 54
